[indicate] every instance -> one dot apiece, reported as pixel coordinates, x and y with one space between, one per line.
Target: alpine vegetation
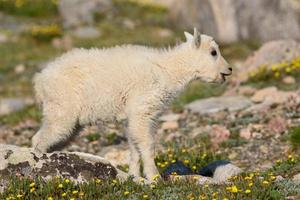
84 86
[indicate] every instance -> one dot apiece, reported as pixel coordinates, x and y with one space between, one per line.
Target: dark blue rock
210 169
179 168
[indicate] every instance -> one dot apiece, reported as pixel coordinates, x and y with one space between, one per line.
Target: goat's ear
189 37
197 38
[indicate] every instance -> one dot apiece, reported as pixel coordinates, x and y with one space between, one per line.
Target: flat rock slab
78 167
217 104
10 105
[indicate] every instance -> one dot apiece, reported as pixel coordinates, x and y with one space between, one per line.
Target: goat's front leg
134 165
140 126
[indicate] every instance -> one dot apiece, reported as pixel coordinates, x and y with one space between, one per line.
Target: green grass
258 186
197 90
295 136
274 74
275 82
29 8
30 112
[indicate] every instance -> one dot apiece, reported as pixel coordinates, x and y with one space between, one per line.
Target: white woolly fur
83 86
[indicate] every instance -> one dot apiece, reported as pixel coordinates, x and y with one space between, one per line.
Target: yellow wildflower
186 161
32 184
98 181
142 180
126 193
274 67
115 181
288 70
50 198
75 192
67 181
64 194
247 191
250 184
277 74
145 196
32 190
155 177
60 185
278 161
202 197
19 196
265 182
234 189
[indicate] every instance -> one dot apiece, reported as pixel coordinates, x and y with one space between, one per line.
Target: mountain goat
84 86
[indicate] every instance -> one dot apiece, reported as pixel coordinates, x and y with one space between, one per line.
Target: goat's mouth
223 76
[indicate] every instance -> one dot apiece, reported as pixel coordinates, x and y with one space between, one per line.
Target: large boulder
233 20
79 167
78 12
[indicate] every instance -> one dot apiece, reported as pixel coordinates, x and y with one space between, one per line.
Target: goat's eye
213 52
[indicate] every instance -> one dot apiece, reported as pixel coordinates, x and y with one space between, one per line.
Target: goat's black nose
230 69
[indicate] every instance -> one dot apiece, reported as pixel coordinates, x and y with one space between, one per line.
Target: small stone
277 125
296 178
279 178
129 24
271 94
289 80
88 32
19 69
172 136
245 133
170 125
169 117
267 165
66 42
164 33
264 149
246 91
232 156
257 135
3 38
218 134
116 154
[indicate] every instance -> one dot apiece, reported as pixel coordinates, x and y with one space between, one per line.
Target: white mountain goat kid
84 86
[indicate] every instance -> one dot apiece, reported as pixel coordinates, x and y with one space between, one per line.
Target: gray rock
217 104
87 32
116 154
296 178
10 105
169 117
76 166
271 95
79 12
232 20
